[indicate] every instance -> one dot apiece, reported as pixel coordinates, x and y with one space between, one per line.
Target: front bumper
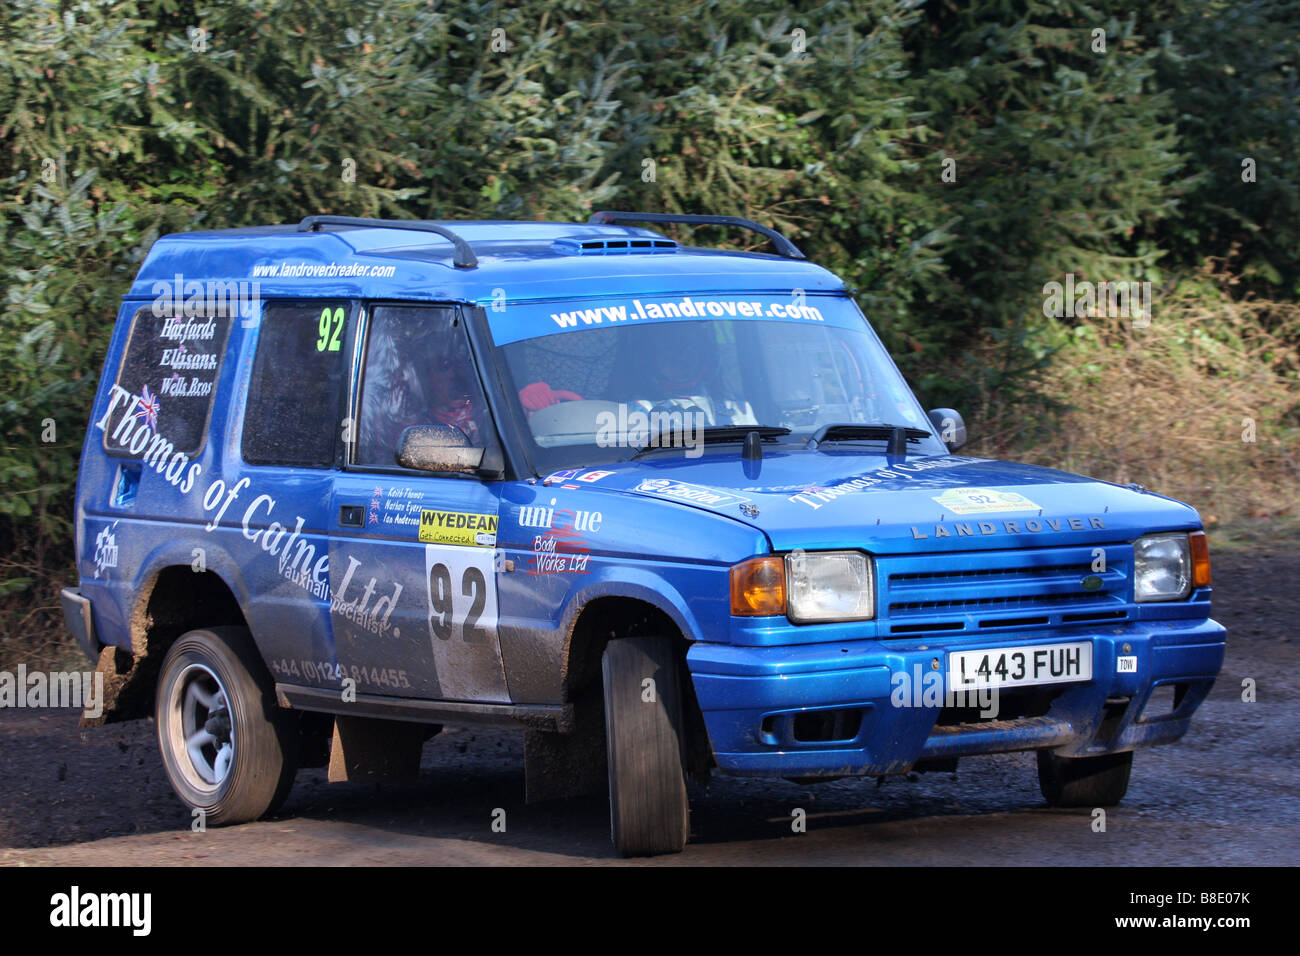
759 702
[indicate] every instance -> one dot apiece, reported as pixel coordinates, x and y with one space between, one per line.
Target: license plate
1020 666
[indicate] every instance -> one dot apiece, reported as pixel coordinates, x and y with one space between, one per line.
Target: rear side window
169 374
294 410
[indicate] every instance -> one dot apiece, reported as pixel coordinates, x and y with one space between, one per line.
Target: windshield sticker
973 501
688 308
683 491
515 322
456 527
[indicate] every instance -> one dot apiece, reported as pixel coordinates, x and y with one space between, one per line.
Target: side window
169 375
418 371
294 410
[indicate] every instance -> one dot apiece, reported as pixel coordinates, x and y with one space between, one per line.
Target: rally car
669 510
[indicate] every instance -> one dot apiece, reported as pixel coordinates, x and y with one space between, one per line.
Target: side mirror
950 425
438 448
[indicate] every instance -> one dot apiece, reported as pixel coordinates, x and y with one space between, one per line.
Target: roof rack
784 246
463 258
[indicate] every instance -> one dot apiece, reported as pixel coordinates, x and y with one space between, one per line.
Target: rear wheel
648 809
228 750
1098 781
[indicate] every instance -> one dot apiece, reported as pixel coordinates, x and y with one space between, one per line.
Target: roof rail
464 257
783 245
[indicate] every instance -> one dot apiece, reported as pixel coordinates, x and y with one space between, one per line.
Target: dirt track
1225 794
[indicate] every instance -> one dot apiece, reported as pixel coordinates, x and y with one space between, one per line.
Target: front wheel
228 750
1098 781
648 809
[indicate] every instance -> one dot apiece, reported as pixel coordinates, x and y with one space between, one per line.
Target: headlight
829 586
1162 567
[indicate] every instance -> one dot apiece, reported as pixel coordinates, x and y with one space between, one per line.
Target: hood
810 499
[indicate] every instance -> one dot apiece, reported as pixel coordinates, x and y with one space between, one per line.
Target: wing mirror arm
493 464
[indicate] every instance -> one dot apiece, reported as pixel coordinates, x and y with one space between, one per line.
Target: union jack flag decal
147 408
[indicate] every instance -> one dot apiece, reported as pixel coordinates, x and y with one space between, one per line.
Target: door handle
352 516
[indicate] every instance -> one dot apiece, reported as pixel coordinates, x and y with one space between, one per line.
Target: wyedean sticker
458 527
978 501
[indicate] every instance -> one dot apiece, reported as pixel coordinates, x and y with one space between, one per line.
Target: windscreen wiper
897 435
714 435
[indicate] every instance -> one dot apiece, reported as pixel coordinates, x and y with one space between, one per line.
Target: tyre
228 750
1084 781
648 810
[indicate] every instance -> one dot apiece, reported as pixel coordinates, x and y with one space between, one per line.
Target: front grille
972 574
949 594
1017 602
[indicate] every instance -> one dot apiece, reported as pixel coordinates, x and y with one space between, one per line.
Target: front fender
535 657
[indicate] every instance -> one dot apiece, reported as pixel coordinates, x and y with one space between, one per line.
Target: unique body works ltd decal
561 546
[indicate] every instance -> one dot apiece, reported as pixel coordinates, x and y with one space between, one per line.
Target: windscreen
589 384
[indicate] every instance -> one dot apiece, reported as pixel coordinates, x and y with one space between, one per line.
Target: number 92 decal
462 595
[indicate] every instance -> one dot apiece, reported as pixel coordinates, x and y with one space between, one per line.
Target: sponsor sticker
972 501
105 549
458 527
594 475
684 491
560 476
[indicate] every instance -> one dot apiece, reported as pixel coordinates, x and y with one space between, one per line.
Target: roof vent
587 246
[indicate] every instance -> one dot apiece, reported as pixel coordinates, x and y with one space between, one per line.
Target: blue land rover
667 509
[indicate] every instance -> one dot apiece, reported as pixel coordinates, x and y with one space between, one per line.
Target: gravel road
1224 795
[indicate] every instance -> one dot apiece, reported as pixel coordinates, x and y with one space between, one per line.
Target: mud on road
1225 794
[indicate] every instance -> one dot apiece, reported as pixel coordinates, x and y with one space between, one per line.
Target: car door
275 500
413 556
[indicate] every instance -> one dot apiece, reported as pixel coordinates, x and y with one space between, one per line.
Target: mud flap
378 751
557 765
80 623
